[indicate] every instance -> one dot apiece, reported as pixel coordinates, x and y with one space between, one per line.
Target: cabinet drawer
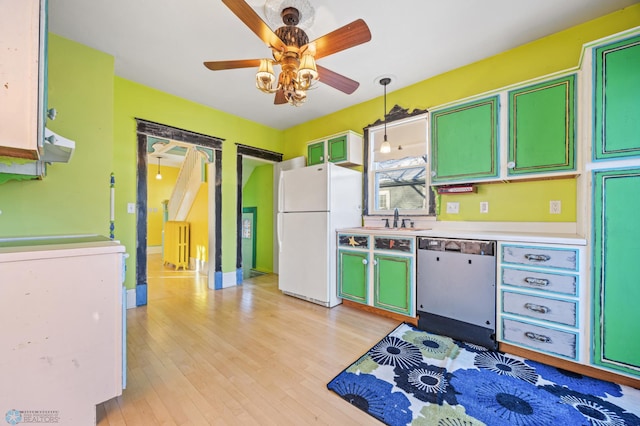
546 257
560 311
353 241
541 338
558 283
394 244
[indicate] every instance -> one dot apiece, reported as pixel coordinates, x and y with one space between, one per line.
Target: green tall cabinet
615 100
616 269
615 205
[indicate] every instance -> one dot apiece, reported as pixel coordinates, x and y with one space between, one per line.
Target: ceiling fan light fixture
265 77
308 72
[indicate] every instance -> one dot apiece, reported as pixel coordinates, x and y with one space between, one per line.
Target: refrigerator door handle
280 224
280 194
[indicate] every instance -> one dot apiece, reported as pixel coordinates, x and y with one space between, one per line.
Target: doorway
255 188
145 131
249 242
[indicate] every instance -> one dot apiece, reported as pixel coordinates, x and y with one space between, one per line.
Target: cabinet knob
433 172
511 165
365 261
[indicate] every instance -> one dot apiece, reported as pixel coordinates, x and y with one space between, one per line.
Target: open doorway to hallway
257 217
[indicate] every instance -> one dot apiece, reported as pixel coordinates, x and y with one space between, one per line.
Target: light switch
131 207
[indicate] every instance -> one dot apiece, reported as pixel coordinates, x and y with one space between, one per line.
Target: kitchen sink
382 228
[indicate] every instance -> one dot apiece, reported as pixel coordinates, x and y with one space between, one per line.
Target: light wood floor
241 355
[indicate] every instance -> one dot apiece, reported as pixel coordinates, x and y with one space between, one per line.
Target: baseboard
585 370
381 312
131 298
229 279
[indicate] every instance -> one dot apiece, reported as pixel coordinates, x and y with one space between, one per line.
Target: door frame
262 154
145 128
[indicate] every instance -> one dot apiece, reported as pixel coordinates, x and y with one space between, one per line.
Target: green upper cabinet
464 142
616 108
542 128
338 149
315 153
343 148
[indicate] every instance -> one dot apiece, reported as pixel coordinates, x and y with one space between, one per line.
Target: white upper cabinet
22 77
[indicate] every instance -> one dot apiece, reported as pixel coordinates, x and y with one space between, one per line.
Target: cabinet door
22 67
315 153
542 127
464 142
337 149
392 283
615 102
616 270
353 270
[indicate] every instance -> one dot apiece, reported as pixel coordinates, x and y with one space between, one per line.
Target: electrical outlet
131 207
453 208
484 207
555 206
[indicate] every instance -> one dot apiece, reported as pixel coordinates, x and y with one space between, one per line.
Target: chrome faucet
395 218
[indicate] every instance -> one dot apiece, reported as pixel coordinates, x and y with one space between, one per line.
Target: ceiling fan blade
337 81
280 99
228 65
343 38
251 19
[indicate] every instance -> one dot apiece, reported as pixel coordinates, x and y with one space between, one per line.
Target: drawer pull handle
538 337
542 282
537 308
537 257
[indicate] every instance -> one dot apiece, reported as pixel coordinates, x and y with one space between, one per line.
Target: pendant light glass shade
159 175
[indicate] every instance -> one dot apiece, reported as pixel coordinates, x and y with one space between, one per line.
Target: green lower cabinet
615 100
393 277
315 153
616 289
542 127
353 270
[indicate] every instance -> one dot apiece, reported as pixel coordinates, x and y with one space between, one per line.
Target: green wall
258 192
73 198
551 54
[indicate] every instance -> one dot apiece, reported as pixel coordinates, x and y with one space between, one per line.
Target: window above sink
399 178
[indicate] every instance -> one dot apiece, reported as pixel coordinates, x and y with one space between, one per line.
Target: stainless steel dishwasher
456 289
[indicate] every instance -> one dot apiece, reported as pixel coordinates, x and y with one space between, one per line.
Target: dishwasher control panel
487 248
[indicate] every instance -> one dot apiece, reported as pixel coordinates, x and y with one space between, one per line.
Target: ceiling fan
294 53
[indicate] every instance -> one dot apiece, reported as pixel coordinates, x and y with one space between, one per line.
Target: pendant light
385 148
159 175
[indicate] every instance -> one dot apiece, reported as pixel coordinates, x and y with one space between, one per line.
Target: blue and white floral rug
418 378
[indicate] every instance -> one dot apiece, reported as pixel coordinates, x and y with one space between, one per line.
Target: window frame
396 117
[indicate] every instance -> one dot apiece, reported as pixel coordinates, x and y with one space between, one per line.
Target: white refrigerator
314 202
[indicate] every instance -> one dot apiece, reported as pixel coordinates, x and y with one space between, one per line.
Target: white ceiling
162 44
